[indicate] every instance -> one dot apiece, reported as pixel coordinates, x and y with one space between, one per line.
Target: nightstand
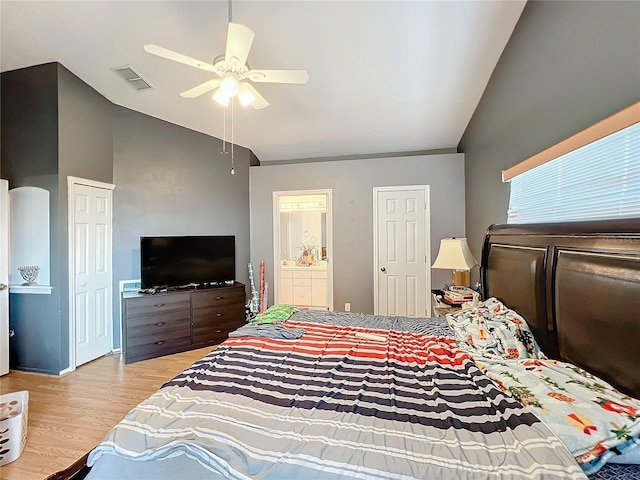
440 306
442 310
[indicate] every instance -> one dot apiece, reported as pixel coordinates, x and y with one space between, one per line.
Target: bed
336 395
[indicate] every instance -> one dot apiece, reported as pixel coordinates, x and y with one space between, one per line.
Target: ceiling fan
233 71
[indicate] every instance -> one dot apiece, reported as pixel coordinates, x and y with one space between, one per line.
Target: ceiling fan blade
259 103
278 76
239 40
178 57
201 89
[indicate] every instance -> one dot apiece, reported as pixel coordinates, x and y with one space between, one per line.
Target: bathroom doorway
303 249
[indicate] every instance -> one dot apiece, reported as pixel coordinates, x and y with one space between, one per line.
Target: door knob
383 269
3 286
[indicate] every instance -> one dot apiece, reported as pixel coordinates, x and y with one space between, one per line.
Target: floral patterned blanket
492 329
593 420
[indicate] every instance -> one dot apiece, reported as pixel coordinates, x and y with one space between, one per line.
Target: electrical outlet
347 307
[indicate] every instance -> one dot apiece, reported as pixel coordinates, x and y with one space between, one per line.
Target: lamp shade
454 254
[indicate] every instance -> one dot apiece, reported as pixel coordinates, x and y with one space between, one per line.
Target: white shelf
33 289
29 227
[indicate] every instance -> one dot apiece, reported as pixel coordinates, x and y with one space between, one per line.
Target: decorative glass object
29 273
308 256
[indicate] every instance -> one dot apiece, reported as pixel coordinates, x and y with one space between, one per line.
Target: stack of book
458 297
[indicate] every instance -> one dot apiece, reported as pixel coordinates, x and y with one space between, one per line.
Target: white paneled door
401 250
92 277
4 277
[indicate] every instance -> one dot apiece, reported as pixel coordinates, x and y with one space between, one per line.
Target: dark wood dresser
172 322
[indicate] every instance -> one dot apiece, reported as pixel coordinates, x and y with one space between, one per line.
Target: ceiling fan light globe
245 97
221 97
229 86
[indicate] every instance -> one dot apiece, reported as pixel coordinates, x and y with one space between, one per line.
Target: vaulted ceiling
394 76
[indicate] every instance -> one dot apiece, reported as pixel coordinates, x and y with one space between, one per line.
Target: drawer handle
219 314
159 305
160 323
161 342
219 298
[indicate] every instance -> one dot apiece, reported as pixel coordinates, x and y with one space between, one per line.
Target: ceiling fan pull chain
232 145
224 130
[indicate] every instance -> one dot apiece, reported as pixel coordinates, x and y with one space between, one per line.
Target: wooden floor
69 415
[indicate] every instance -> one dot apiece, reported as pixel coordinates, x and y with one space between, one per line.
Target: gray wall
173 181
169 181
29 106
85 150
352 182
53 125
566 66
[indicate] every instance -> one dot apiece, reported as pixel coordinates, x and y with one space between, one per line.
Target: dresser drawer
213 324
155 335
156 304
156 345
210 337
153 324
216 297
219 316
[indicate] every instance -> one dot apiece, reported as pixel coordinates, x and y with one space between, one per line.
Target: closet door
401 242
92 285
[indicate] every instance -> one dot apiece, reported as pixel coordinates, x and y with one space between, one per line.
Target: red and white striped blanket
333 404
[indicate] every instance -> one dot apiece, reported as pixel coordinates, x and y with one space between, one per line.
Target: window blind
598 181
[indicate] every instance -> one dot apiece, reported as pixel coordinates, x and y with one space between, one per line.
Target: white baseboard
66 371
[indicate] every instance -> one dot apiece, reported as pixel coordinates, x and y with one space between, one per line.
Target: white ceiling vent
131 77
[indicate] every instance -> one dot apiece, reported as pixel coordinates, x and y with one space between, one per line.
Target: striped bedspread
405 403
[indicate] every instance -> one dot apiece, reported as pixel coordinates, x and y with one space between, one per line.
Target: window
600 180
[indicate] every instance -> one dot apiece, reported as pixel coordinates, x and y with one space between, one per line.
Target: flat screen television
180 261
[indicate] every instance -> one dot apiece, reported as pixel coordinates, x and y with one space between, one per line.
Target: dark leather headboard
525 284
578 286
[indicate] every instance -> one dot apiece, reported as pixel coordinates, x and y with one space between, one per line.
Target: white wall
352 182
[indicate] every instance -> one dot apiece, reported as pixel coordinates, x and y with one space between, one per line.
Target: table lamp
455 255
